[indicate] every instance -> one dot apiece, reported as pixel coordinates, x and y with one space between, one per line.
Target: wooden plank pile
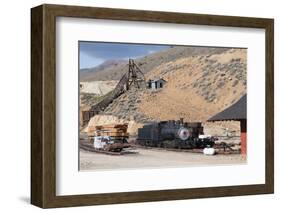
112 130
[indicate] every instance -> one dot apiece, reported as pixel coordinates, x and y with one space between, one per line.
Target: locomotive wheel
160 145
141 143
193 144
178 144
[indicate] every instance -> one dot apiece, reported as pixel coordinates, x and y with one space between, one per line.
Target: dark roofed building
238 112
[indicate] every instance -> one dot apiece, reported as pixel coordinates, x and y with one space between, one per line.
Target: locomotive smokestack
181 120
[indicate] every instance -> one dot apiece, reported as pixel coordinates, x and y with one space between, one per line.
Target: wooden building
237 112
155 84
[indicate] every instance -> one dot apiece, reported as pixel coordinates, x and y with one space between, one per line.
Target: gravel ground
147 158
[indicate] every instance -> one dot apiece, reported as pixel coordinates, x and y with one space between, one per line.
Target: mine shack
237 112
155 83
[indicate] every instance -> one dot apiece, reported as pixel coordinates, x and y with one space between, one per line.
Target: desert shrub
235 83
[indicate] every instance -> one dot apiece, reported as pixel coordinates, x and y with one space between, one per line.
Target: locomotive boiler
174 134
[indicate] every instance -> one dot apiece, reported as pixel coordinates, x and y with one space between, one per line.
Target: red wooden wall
243 126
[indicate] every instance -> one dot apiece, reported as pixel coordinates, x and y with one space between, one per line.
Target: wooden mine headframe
135 75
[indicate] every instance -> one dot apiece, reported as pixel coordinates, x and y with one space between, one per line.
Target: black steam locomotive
174 134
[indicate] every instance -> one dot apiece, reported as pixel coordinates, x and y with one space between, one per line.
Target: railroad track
218 150
89 147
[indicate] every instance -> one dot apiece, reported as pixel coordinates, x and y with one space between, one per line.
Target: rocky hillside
197 87
110 67
97 87
127 106
199 83
114 69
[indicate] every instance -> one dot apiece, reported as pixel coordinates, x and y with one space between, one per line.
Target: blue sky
95 53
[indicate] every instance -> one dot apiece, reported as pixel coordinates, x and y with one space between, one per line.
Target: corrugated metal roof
157 79
237 111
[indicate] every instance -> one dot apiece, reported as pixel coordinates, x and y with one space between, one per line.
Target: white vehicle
101 141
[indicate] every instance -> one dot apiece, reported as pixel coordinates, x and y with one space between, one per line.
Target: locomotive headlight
183 133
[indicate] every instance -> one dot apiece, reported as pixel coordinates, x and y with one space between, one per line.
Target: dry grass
191 94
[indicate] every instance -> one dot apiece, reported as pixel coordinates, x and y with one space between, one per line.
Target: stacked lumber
113 130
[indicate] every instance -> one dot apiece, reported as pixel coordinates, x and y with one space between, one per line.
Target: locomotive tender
174 134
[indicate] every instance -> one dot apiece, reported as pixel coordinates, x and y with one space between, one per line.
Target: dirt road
147 158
